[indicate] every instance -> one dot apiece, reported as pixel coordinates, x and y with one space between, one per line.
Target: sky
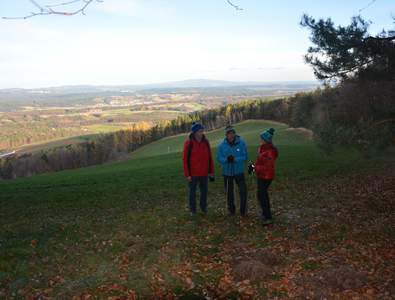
148 41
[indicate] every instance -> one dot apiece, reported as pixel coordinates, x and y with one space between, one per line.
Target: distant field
32 120
52 114
46 127
106 128
52 144
43 132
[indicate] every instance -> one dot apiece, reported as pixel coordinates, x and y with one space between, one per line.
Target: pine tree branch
376 38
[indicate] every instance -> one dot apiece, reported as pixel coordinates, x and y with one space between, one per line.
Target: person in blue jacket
232 155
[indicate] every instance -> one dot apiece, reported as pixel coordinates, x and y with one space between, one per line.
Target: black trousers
263 198
229 192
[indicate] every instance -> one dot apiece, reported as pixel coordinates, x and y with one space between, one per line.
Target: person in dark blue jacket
232 155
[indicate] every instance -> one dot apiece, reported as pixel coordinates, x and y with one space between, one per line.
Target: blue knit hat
267 135
196 127
230 128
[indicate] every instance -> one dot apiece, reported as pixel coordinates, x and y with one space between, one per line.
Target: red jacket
266 160
201 161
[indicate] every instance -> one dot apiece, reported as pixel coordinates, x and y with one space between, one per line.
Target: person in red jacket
264 170
198 166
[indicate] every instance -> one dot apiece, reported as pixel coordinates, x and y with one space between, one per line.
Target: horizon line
252 82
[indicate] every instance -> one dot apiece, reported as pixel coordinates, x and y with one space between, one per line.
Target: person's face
199 134
230 136
263 142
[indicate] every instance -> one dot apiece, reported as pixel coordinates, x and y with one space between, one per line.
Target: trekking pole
252 175
227 179
232 178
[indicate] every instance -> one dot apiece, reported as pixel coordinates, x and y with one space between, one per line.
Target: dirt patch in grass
264 264
335 279
341 278
252 270
270 259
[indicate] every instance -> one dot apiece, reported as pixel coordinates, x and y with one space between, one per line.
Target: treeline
355 113
118 144
21 134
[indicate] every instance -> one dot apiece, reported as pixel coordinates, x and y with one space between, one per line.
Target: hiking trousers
202 182
229 192
263 198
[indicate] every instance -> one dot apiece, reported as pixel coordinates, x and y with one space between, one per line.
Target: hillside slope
121 229
249 130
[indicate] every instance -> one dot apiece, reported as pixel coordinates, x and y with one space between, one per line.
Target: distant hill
202 83
15 98
190 83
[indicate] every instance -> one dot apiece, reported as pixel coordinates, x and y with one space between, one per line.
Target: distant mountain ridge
189 83
71 95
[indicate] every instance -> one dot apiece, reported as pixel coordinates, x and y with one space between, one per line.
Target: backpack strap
189 153
209 155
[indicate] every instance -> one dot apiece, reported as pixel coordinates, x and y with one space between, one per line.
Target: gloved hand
230 159
251 168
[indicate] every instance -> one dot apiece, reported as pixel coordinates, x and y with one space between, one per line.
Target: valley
41 118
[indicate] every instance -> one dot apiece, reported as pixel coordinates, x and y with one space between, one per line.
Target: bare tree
63 9
234 5
367 6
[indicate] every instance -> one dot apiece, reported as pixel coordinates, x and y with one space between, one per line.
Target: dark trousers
229 192
202 181
263 198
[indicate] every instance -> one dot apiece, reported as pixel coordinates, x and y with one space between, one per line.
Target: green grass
299 155
249 130
121 222
106 128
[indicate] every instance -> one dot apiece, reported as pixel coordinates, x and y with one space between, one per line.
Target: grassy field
121 230
36 130
53 144
249 130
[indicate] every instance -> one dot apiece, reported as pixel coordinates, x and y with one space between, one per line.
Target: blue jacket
239 150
